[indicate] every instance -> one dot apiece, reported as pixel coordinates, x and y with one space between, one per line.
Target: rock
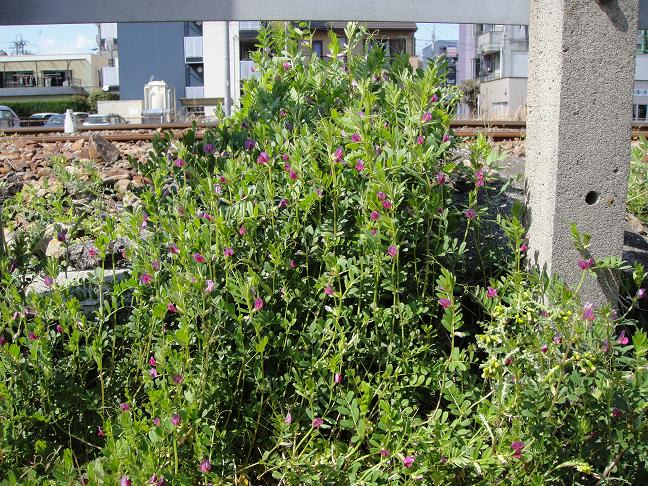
109 180
78 279
43 172
55 249
78 145
100 148
519 150
79 256
122 185
636 225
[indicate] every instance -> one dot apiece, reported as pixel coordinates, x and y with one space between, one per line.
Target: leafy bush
24 109
638 183
301 310
99 95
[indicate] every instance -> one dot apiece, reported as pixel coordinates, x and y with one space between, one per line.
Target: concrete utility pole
228 73
581 76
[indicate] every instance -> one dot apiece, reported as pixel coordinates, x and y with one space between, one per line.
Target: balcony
249 25
490 42
194 92
193 49
247 70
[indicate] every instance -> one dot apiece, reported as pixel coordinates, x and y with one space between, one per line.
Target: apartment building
200 59
36 77
446 49
108 43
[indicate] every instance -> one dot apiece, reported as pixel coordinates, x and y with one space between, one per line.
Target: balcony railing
194 92
40 82
250 25
490 42
248 71
193 48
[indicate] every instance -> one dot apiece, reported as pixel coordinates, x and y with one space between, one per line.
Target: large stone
78 145
100 148
55 249
121 186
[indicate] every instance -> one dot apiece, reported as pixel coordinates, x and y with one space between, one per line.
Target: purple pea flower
152 361
210 285
179 163
356 137
125 481
287 66
124 407
617 412
175 420
263 158
585 264
387 204
146 279
623 339
328 290
92 252
544 348
288 418
208 148
427 116
517 447
445 303
359 166
173 249
48 281
242 231
337 378
177 379
3 340
420 140
172 309
205 466
338 155
198 258
228 252
100 433
258 304
441 178
588 312
157 421
434 98
385 452
59 329
62 235
292 174
392 251
156 265
446 138
491 293
317 422
381 196
408 461
558 338
374 215
32 336
283 203
641 293
153 372
249 144
470 213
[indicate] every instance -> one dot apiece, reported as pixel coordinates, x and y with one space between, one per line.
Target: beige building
50 76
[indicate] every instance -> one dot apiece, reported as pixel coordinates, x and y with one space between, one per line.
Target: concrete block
581 74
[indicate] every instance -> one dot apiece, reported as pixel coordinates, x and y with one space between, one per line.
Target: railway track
496 130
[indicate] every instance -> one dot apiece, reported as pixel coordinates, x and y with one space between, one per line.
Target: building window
193 29
642 42
640 112
318 48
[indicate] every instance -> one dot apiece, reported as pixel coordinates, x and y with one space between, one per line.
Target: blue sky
51 39
81 38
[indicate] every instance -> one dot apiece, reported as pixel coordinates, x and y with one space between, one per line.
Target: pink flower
441 178
205 466
3 340
285 157
146 279
100 432
92 252
287 66
517 447
374 215
446 138
258 304
420 140
198 258
263 158
508 361
434 98
588 312
293 174
480 178
524 247
175 419
32 336
623 339
470 213
641 293
328 290
491 293
585 264
249 144
177 379
210 286
359 165
374 231
544 348
408 461
319 192
228 252
283 203
288 419
242 231
62 235
217 190
337 378
152 361
381 196
392 251
318 422
338 155
387 204
283 113
558 338
179 163
206 215
59 329
153 372
605 346
48 281
293 265
427 116
385 452
155 264
173 249
617 412
445 303
157 421
356 137
172 309
124 407
208 148
125 481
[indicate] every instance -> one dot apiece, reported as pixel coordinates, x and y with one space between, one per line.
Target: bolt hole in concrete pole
592 197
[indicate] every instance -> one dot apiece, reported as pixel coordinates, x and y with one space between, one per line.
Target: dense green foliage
310 303
24 109
99 95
